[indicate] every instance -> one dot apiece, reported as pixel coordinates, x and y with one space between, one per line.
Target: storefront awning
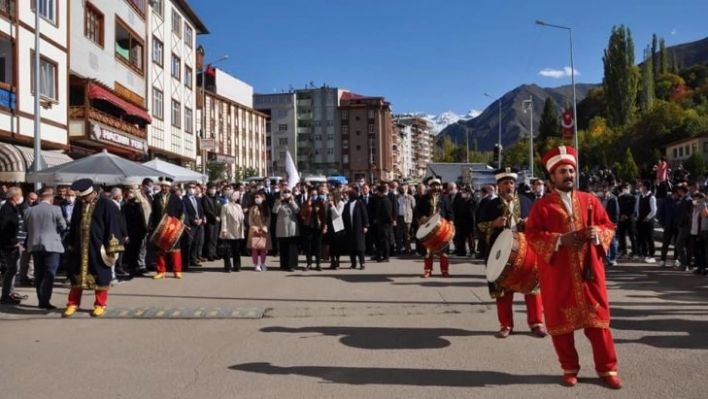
98 92
16 160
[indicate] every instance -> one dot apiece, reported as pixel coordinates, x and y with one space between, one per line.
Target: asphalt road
379 333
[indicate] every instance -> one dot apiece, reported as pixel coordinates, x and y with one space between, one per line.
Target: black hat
83 187
165 181
506 173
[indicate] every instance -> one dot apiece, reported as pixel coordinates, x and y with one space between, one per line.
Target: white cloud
557 73
673 32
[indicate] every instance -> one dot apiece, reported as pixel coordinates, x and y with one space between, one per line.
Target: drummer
166 203
509 211
430 205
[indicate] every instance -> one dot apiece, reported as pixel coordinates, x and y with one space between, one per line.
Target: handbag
223 248
258 242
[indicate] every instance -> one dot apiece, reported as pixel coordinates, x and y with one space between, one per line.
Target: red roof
99 92
353 96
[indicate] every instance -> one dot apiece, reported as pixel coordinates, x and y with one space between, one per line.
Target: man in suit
488 194
10 244
45 223
195 222
356 225
369 200
212 211
383 219
166 203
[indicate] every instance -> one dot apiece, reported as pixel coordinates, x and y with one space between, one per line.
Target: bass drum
435 234
167 233
512 263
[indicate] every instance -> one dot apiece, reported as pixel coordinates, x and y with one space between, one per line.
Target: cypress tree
621 78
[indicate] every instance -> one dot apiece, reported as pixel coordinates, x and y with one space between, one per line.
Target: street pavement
378 333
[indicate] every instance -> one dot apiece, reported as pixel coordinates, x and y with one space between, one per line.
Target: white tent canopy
176 172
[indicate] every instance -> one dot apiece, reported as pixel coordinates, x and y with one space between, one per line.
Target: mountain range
484 128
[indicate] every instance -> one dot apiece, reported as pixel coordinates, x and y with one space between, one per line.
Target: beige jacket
232 222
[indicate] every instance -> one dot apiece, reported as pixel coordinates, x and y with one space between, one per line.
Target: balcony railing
106 119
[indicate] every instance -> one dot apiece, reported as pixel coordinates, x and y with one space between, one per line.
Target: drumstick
588 273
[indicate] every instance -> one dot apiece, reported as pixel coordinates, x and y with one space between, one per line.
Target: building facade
17 86
172 71
281 128
679 151
366 129
108 106
318 134
421 144
238 131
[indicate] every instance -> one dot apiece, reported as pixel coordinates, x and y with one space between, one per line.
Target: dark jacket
611 207
354 225
384 211
191 212
9 225
212 208
668 213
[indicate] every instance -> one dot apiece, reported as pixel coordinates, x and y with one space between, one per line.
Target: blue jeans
45 270
11 256
612 254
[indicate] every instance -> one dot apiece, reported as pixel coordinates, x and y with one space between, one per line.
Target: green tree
517 155
696 165
621 78
663 57
654 55
629 170
647 91
591 107
666 84
549 126
216 171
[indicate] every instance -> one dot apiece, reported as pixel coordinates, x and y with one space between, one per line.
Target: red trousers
534 310
603 351
444 263
75 297
162 262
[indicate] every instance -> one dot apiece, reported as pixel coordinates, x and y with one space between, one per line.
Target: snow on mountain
441 121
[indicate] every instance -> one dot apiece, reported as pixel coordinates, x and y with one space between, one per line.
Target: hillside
515 123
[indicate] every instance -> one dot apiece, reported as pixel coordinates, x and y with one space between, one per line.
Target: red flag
567 124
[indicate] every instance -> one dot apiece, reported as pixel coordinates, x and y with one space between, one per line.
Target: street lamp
500 126
528 107
203 116
572 80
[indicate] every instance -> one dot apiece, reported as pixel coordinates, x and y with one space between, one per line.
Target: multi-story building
421 143
238 130
318 136
367 137
17 87
108 77
679 151
281 130
402 151
172 71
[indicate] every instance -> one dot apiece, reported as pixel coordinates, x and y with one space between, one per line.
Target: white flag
291 170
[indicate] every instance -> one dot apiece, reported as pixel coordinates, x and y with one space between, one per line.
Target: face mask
453 192
71 200
21 200
228 193
286 195
539 190
296 192
259 188
259 201
695 202
149 189
361 183
212 191
625 191
190 191
267 184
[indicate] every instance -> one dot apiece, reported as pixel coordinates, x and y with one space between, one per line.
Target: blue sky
429 56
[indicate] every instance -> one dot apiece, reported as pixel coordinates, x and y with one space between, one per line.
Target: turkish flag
567 124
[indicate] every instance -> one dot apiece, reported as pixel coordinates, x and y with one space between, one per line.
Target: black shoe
290 269
227 270
47 306
318 268
10 301
19 297
362 267
27 282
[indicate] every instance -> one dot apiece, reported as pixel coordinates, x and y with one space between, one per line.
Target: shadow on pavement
383 337
668 284
27 310
389 278
400 376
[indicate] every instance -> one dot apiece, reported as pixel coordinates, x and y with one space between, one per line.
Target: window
680 151
129 47
356 118
281 155
157 47
47 78
7 60
705 147
330 151
317 123
158 7
283 141
282 127
345 158
358 132
675 153
188 121
188 35
176 23
158 104
47 10
330 137
358 148
345 115
345 144
330 123
188 76
318 137
176 113
371 129
175 67
93 24
370 114
345 129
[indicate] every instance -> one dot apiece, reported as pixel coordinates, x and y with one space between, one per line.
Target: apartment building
238 130
172 72
366 129
281 128
108 78
402 151
17 86
421 143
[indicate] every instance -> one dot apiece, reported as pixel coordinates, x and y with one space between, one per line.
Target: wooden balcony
95 115
8 7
